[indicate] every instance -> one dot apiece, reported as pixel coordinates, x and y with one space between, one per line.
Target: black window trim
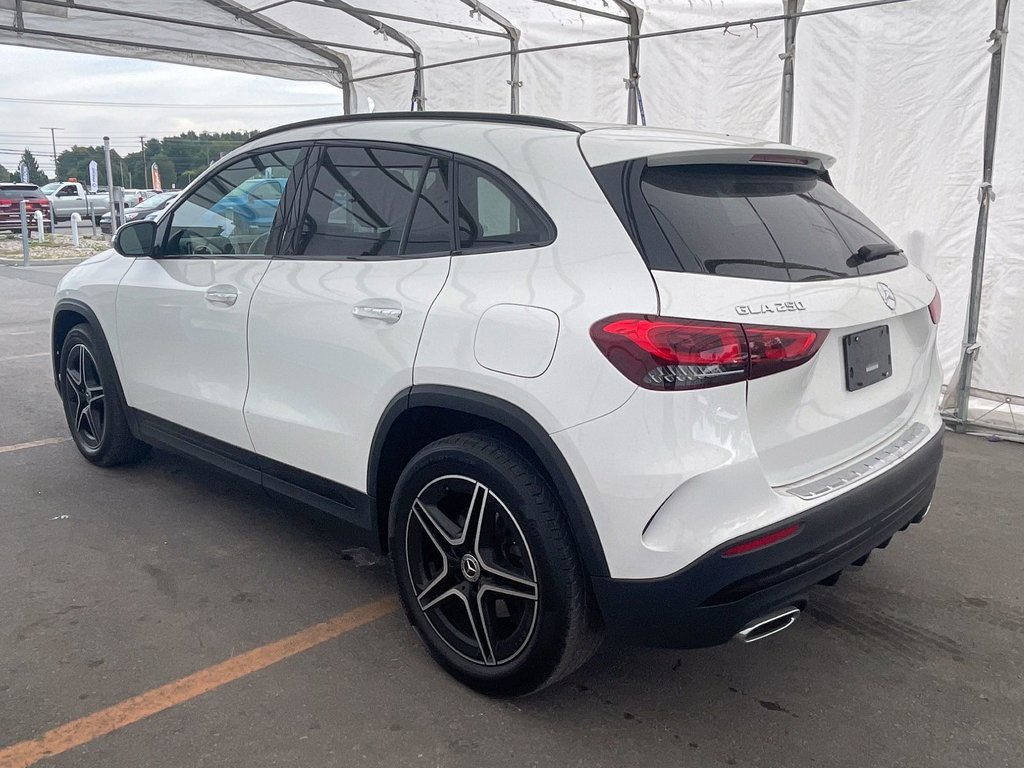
275 238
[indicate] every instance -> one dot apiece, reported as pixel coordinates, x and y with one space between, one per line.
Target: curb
44 262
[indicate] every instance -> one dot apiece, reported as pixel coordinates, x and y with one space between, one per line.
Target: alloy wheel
472 570
85 398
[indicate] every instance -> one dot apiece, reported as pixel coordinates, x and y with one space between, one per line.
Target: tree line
179 158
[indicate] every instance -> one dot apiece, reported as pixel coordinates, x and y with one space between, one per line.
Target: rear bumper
711 600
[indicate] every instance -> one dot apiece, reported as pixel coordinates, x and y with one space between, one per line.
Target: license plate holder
867 356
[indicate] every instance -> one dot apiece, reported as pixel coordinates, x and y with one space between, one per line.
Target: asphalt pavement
170 615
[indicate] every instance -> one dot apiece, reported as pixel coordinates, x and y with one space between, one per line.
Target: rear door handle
222 294
388 311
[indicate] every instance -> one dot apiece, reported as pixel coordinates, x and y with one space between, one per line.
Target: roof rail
452 116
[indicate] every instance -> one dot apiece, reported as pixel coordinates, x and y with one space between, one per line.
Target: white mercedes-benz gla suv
574 379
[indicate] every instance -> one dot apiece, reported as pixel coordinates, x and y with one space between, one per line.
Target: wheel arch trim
520 422
81 308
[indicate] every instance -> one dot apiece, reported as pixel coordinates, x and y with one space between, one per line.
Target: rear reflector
671 354
761 542
935 308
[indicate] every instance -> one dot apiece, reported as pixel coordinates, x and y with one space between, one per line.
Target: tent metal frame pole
985 197
269 25
419 96
168 48
266 30
428 22
635 17
512 34
791 7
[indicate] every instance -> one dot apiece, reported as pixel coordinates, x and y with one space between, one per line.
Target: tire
487 569
92 403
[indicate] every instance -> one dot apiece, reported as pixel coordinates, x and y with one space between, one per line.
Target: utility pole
142 143
53 142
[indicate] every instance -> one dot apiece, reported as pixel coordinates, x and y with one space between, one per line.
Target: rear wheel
487 569
92 406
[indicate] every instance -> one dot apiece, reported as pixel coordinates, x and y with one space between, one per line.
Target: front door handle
222 294
388 311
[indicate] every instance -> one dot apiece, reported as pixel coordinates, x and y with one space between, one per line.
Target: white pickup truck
68 197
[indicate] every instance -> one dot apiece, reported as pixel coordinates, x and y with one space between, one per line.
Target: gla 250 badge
765 309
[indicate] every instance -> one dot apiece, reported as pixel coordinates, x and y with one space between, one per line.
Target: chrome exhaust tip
768 625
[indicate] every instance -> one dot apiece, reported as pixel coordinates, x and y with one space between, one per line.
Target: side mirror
136 238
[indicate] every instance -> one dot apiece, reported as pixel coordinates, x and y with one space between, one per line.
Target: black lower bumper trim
708 602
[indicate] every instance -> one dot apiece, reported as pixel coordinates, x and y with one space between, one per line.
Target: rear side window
755 222
495 216
361 203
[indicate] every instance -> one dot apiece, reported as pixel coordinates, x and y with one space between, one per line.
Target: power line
133 104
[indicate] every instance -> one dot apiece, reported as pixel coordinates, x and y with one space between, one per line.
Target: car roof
602 143
18 185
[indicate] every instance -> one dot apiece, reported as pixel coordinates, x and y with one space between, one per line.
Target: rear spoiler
785 157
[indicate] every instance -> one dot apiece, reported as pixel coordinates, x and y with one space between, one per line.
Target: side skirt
354 508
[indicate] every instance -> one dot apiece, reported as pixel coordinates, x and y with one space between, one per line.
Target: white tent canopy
897 91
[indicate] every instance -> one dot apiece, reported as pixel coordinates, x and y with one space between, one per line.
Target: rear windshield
20 193
756 222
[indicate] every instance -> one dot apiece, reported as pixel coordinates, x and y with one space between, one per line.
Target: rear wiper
873 252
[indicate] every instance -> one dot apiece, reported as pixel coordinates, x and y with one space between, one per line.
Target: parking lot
171 615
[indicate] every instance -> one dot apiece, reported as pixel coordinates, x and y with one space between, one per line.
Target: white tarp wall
897 93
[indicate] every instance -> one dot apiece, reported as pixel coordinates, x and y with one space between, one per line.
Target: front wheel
92 406
487 569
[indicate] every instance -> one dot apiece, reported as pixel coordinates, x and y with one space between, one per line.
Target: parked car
148 208
68 197
10 210
574 379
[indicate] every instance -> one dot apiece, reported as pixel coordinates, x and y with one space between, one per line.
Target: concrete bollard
24 233
40 231
75 219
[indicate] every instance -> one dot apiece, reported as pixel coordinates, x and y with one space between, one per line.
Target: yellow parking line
33 444
91 727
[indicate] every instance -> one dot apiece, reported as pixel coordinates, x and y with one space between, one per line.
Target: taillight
778 349
671 354
752 545
935 308
5 203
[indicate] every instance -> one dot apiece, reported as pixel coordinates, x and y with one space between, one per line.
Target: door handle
390 312
222 294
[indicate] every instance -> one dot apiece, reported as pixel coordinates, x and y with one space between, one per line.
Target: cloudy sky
31 76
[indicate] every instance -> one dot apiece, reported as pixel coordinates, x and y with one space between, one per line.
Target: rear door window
760 222
361 203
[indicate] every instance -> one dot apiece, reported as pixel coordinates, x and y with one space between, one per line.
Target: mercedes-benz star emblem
887 296
470 568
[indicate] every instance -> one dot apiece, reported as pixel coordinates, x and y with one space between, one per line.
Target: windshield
49 189
157 201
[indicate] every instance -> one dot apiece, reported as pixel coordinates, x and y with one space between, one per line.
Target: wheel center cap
470 568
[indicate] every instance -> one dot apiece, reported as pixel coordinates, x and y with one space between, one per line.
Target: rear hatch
12 194
766 242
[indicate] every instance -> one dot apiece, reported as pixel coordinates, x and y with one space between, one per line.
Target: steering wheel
199 245
258 245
